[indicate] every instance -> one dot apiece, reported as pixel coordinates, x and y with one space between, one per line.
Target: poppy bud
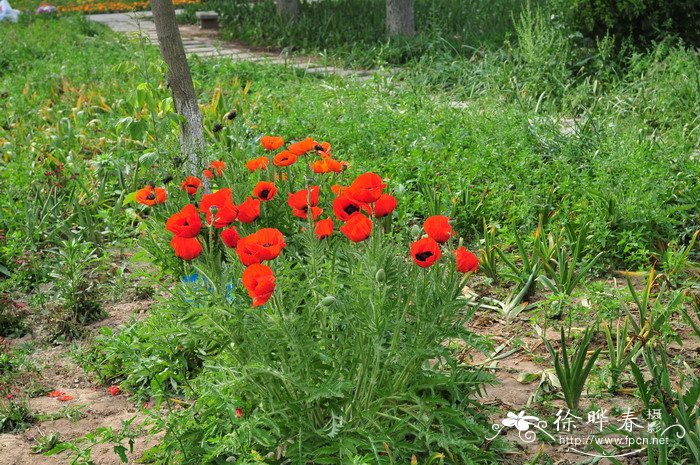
231 115
177 161
152 184
217 127
380 276
327 301
213 209
167 179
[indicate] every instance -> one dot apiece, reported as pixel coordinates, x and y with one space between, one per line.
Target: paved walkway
205 44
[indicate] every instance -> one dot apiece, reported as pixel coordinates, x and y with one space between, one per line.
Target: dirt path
92 406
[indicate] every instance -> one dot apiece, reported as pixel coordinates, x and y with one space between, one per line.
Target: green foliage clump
355 29
640 21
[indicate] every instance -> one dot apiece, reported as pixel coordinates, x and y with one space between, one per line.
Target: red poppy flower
185 223
325 147
326 165
186 248
265 244
219 208
465 260
384 205
259 163
230 237
345 206
324 228
304 198
239 412
265 191
438 227
284 158
249 210
113 390
303 213
425 252
65 398
218 167
357 228
208 174
151 195
301 147
366 188
191 184
268 243
246 251
337 189
271 142
260 282
56 394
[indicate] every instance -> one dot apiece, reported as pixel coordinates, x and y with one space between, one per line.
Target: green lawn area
498 154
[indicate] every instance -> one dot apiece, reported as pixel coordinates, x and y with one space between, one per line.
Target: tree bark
288 9
400 18
180 83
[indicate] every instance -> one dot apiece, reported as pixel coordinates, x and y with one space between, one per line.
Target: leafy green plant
677 405
693 320
513 305
573 371
488 253
70 412
15 415
622 350
675 259
46 442
526 274
75 275
81 449
562 260
653 308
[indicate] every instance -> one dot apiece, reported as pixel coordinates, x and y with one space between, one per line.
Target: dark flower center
350 209
423 256
151 196
264 193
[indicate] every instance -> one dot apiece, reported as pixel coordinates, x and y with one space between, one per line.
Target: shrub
642 21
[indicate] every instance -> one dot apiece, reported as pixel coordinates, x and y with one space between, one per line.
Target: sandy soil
99 408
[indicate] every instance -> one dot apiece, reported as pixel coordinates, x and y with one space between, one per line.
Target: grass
504 156
446 26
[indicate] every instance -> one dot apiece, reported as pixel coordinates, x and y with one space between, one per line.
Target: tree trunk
180 83
288 9
400 18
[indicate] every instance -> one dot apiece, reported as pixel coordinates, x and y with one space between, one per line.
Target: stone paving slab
139 24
